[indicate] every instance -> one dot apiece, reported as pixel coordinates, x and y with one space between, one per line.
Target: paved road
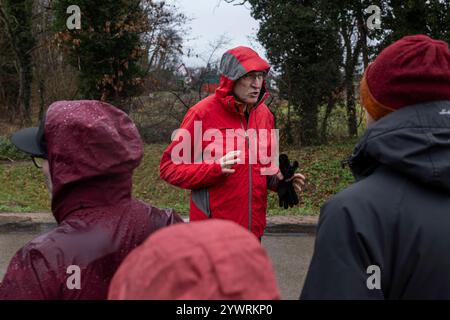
290 254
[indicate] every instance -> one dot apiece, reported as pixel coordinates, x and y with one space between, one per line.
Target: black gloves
286 191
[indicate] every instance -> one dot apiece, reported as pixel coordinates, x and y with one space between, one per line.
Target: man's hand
229 160
298 180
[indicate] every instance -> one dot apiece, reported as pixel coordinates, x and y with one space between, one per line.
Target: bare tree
211 60
15 17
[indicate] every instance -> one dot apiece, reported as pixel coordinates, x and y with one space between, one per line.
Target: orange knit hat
376 109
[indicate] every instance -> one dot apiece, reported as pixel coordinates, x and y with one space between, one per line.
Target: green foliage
16 24
9 152
321 48
402 18
303 44
107 48
23 188
19 15
148 186
325 176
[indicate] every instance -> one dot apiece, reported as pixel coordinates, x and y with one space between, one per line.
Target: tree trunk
308 127
324 128
362 30
19 103
352 53
27 78
41 98
23 102
21 41
351 108
289 138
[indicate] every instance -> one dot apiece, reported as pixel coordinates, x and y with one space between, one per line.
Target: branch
179 98
35 48
9 32
236 4
4 158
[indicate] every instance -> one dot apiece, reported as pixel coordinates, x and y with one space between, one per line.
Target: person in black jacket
387 236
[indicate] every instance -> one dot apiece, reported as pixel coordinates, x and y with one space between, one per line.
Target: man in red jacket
89 151
234 119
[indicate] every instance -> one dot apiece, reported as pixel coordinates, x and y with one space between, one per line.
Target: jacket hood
414 141
203 260
93 148
234 64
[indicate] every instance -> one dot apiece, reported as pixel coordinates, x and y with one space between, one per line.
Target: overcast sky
210 20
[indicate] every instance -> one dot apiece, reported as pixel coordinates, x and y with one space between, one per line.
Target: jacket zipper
249 176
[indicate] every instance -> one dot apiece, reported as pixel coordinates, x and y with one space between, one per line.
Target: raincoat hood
212 259
93 148
414 141
235 63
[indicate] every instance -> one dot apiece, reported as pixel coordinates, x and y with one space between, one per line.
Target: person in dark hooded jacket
90 149
387 236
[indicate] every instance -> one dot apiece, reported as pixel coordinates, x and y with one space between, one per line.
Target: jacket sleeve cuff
272 182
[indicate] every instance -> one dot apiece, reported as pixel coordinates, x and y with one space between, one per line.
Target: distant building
211 83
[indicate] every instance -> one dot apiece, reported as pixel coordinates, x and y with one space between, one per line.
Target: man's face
248 87
48 178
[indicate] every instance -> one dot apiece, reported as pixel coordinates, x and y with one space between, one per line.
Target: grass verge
23 189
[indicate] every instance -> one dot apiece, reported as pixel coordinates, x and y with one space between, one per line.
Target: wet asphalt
290 253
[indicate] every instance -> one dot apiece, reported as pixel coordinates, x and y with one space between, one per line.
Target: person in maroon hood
90 149
231 187
206 260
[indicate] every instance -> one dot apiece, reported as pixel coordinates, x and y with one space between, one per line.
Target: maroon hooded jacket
92 149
